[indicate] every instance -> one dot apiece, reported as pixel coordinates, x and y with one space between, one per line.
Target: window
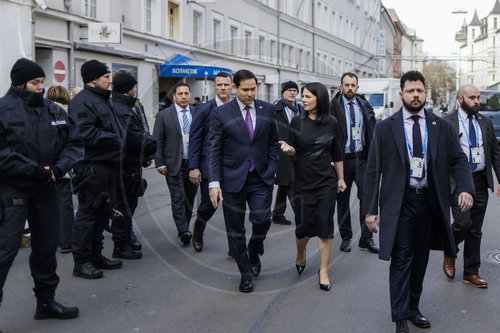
495 24
493 61
308 60
91 8
271 50
147 15
173 20
325 61
216 34
300 60
473 33
290 56
261 47
494 41
234 33
196 27
283 58
248 40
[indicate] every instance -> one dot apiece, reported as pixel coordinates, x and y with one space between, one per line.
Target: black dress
316 146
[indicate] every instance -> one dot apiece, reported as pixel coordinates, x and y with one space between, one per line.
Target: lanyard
346 107
289 112
467 133
408 141
188 115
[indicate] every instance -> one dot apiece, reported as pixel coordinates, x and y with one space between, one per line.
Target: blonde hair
58 94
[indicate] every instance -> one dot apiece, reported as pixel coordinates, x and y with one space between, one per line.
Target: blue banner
182 66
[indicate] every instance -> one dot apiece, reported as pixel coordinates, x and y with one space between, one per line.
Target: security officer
39 143
95 177
139 152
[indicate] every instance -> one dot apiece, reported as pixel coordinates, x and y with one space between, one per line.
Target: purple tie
249 123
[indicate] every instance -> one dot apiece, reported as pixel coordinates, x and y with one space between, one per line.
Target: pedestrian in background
39 143
60 96
286 109
314 140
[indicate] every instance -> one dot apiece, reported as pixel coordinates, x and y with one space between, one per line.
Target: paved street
175 289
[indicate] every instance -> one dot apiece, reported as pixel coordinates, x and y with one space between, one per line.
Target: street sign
59 71
105 33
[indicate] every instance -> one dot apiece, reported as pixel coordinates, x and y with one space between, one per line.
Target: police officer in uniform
96 176
139 152
39 143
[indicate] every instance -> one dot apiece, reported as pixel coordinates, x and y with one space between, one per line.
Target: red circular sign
59 71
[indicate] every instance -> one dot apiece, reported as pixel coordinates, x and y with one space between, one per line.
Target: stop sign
59 71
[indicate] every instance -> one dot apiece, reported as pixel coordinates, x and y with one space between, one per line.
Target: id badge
416 167
356 133
476 155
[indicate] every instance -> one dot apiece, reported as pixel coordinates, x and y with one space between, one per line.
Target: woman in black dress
319 175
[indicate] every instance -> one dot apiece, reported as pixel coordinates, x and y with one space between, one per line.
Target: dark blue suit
230 151
198 159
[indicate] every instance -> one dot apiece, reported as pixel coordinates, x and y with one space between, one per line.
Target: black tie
352 146
473 141
417 140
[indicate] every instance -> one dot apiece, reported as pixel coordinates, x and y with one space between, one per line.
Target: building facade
279 40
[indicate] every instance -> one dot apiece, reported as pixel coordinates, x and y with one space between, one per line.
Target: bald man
479 143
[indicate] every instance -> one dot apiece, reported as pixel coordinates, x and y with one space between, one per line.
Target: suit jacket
388 176
283 173
230 147
337 109
198 138
168 135
491 148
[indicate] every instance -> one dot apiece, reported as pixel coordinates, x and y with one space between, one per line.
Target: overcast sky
434 21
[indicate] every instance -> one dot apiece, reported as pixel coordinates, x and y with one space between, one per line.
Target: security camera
41 3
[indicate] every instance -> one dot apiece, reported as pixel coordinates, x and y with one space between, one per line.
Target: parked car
489 107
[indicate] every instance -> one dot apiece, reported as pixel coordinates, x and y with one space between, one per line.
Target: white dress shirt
356 122
408 123
185 139
464 141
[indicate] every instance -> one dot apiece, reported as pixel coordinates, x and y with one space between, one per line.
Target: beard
349 95
474 109
412 107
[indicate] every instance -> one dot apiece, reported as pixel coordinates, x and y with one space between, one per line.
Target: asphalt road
175 289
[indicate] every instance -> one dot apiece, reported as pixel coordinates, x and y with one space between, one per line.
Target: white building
279 40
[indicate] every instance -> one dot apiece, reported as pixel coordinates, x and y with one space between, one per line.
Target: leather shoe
402 327
197 241
102 262
87 270
368 244
346 245
125 251
53 309
449 267
134 243
475 280
281 220
418 319
255 264
246 283
185 238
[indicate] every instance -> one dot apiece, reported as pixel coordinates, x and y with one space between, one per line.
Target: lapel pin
260 107
434 123
479 118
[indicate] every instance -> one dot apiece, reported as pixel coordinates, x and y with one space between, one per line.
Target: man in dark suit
286 108
477 138
171 131
411 157
242 161
357 122
198 154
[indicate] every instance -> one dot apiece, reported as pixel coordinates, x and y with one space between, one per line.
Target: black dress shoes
197 240
368 244
325 287
87 271
102 262
53 309
402 327
125 251
255 264
185 238
246 283
418 319
346 245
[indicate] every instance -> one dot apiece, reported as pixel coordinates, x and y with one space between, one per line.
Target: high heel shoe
300 269
325 287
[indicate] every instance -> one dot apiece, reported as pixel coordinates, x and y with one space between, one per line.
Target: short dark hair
322 101
181 84
242 75
223 74
411 76
350 75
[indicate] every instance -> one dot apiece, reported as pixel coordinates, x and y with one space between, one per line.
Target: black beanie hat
92 70
25 70
123 83
288 85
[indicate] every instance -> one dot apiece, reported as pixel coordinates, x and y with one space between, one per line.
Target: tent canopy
182 66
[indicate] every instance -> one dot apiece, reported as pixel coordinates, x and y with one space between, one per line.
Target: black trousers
182 194
205 209
258 195
66 212
95 205
467 225
125 205
354 171
282 193
410 255
39 206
